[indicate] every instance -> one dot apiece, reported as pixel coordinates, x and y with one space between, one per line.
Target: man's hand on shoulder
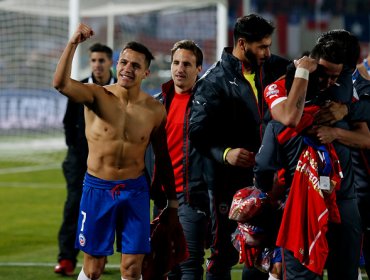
331 113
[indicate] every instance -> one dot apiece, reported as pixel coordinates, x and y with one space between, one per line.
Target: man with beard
226 126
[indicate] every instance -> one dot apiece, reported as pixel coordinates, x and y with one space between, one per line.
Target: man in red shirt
187 163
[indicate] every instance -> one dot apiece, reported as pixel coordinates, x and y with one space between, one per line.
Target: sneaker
65 267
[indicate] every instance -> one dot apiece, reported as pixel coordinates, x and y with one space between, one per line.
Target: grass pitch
32 195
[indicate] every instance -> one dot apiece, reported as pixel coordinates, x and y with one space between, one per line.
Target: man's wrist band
224 155
301 73
172 203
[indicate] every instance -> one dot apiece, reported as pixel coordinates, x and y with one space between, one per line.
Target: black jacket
195 188
273 156
225 113
360 111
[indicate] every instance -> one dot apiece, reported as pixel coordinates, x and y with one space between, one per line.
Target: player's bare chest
135 124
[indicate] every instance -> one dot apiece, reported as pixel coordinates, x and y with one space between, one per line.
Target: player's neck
133 94
103 80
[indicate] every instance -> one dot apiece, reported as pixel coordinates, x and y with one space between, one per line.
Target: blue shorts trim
110 208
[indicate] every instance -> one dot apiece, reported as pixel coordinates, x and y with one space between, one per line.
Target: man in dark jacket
226 126
356 137
74 165
187 163
344 239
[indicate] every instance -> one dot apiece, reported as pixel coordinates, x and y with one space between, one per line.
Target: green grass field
32 194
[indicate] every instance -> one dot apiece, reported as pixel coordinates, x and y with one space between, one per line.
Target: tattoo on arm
300 103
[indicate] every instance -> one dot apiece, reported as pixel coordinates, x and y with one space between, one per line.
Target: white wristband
302 73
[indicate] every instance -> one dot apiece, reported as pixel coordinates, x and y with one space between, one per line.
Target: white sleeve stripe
277 101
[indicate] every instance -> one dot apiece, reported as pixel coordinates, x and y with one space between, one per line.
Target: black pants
254 274
194 220
74 169
344 241
293 269
223 254
363 206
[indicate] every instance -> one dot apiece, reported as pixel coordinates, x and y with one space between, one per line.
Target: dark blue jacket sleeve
360 111
204 115
267 160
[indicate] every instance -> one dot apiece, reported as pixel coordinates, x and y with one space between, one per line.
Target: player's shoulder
363 71
110 87
108 90
152 103
278 85
274 91
155 109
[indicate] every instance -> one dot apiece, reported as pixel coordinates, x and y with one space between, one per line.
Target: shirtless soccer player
121 120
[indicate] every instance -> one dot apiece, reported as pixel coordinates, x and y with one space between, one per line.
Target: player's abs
116 160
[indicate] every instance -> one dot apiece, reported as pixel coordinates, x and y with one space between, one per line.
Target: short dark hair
329 50
190 46
140 48
101 48
347 41
252 28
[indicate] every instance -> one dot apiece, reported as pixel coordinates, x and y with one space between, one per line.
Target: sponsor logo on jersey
272 91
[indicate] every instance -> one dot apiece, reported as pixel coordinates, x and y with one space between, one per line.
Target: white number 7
83 220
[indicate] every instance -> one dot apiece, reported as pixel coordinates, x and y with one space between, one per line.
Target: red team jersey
175 136
275 93
306 214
